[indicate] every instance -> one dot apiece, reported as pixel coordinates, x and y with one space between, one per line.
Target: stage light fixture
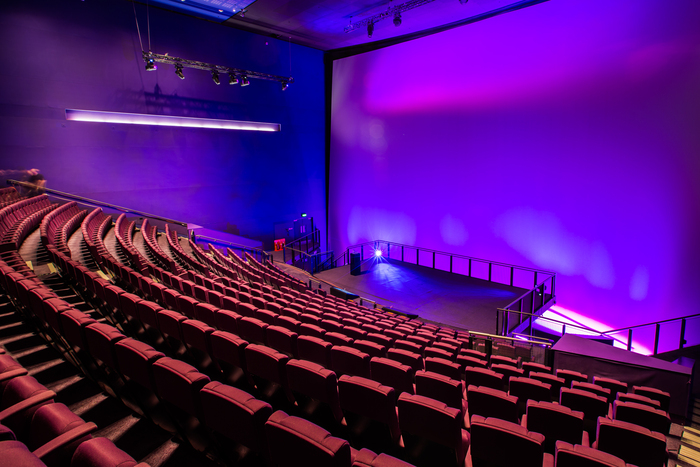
377 253
393 11
151 64
236 75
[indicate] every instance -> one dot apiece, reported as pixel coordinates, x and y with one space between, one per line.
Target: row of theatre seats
300 342
37 431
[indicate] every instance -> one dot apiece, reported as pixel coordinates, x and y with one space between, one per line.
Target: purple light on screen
167 120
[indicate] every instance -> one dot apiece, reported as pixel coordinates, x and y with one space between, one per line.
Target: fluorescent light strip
167 120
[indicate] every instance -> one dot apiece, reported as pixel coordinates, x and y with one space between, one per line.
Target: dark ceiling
320 23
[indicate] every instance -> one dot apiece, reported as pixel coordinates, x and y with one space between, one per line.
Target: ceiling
320 23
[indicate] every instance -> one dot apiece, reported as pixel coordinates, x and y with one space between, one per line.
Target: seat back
441 388
179 384
483 377
349 361
296 442
392 373
642 415
489 436
221 404
570 455
663 397
370 399
555 422
632 443
315 350
489 402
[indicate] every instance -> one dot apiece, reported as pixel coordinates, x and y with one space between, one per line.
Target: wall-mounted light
77 115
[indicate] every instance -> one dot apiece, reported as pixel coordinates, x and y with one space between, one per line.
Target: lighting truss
390 12
237 73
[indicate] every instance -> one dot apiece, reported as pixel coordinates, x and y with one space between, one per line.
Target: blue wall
86 55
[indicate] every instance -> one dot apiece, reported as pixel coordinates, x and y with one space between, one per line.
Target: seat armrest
65 439
40 398
585 439
8 375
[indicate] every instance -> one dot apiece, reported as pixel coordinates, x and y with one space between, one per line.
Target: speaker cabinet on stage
355 264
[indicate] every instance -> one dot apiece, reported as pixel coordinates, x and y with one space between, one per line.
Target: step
689 456
691 439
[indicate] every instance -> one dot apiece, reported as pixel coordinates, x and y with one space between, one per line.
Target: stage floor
438 296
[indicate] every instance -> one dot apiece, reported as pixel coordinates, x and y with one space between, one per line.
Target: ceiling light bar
151 58
167 120
390 12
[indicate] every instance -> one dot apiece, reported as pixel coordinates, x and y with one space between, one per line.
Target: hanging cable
148 24
137 24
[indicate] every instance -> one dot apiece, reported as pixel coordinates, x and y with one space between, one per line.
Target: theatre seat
632 443
367 458
555 422
642 415
492 403
614 385
295 442
349 361
363 399
101 452
570 455
407 357
499 443
432 431
569 375
591 405
526 389
663 397
222 405
483 377
392 373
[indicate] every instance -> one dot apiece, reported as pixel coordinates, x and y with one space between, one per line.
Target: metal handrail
609 333
481 260
696 315
302 238
98 203
264 255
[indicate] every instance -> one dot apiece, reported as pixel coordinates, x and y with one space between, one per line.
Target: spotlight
151 64
397 19
244 81
215 76
370 29
285 86
232 79
377 253
178 71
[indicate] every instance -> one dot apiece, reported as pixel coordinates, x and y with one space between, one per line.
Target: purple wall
86 55
563 136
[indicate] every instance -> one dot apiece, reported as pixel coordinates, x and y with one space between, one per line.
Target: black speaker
355 264
344 294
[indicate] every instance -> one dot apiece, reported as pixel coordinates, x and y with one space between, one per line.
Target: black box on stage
344 294
355 264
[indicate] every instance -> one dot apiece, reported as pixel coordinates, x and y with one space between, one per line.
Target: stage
434 295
